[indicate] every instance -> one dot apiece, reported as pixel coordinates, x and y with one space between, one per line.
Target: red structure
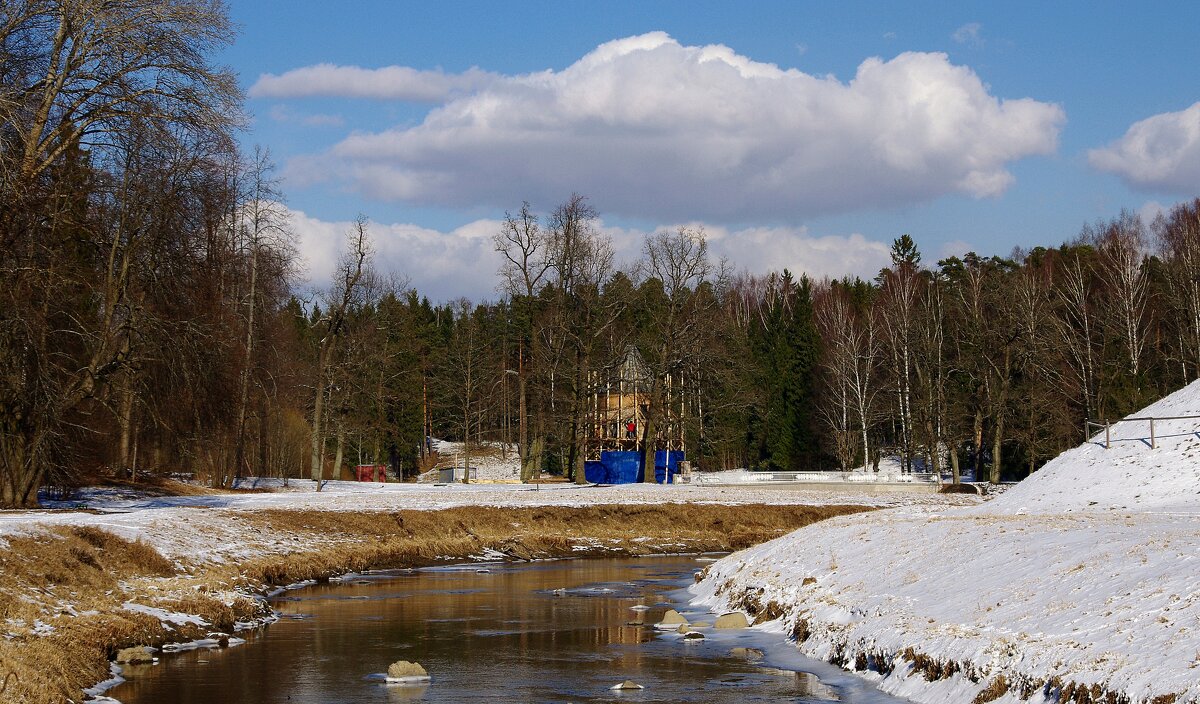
372 473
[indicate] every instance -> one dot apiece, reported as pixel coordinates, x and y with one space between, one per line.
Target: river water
559 631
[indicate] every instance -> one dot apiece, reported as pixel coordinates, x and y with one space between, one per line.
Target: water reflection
543 632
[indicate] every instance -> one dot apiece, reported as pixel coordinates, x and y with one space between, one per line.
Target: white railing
1151 440
748 477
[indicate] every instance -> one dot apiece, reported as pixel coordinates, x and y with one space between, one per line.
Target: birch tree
1179 242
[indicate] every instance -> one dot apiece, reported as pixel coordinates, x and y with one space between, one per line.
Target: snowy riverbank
1079 583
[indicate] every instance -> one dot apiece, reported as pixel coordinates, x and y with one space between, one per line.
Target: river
557 631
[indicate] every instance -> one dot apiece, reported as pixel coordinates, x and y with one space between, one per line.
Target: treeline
987 364
152 320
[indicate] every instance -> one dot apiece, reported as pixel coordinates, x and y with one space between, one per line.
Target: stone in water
671 620
734 619
405 671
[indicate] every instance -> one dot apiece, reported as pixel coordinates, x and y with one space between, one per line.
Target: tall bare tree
262 227
678 260
351 281
526 250
1179 242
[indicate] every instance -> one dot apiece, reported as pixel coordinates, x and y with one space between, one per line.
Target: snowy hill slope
1130 475
1080 584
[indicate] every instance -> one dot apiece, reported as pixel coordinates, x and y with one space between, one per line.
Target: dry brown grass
76 579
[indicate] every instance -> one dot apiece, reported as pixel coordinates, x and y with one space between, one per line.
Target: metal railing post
1107 437
1152 444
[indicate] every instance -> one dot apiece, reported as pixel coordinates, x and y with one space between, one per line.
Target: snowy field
207 527
1086 573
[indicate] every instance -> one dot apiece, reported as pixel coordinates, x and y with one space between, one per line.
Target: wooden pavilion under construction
619 407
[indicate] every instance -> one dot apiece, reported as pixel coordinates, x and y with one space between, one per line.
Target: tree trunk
523 418
648 445
997 439
977 460
244 395
957 473
340 452
22 472
318 453
126 424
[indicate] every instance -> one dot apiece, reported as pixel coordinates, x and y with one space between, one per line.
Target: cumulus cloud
462 262
387 83
1160 153
650 128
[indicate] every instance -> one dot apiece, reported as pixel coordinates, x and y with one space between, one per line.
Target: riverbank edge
84 580
923 676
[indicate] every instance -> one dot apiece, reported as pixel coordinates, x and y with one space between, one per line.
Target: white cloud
462 262
441 265
387 83
764 249
650 128
1160 153
969 33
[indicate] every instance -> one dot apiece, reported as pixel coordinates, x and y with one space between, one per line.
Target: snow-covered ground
491 462
179 528
1088 573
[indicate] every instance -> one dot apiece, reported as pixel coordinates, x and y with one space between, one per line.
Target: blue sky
971 125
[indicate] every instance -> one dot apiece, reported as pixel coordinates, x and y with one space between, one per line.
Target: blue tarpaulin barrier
619 467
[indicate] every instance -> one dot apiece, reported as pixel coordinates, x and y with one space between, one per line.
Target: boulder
135 656
627 684
683 628
671 620
734 619
693 635
405 671
702 624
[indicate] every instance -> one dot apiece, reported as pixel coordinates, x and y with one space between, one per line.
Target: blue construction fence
617 467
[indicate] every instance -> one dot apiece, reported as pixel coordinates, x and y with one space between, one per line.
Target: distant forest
151 320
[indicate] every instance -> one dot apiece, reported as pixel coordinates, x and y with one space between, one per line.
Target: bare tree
898 307
262 223
87 67
581 260
1179 242
349 285
1120 244
850 361
679 261
526 249
1077 328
